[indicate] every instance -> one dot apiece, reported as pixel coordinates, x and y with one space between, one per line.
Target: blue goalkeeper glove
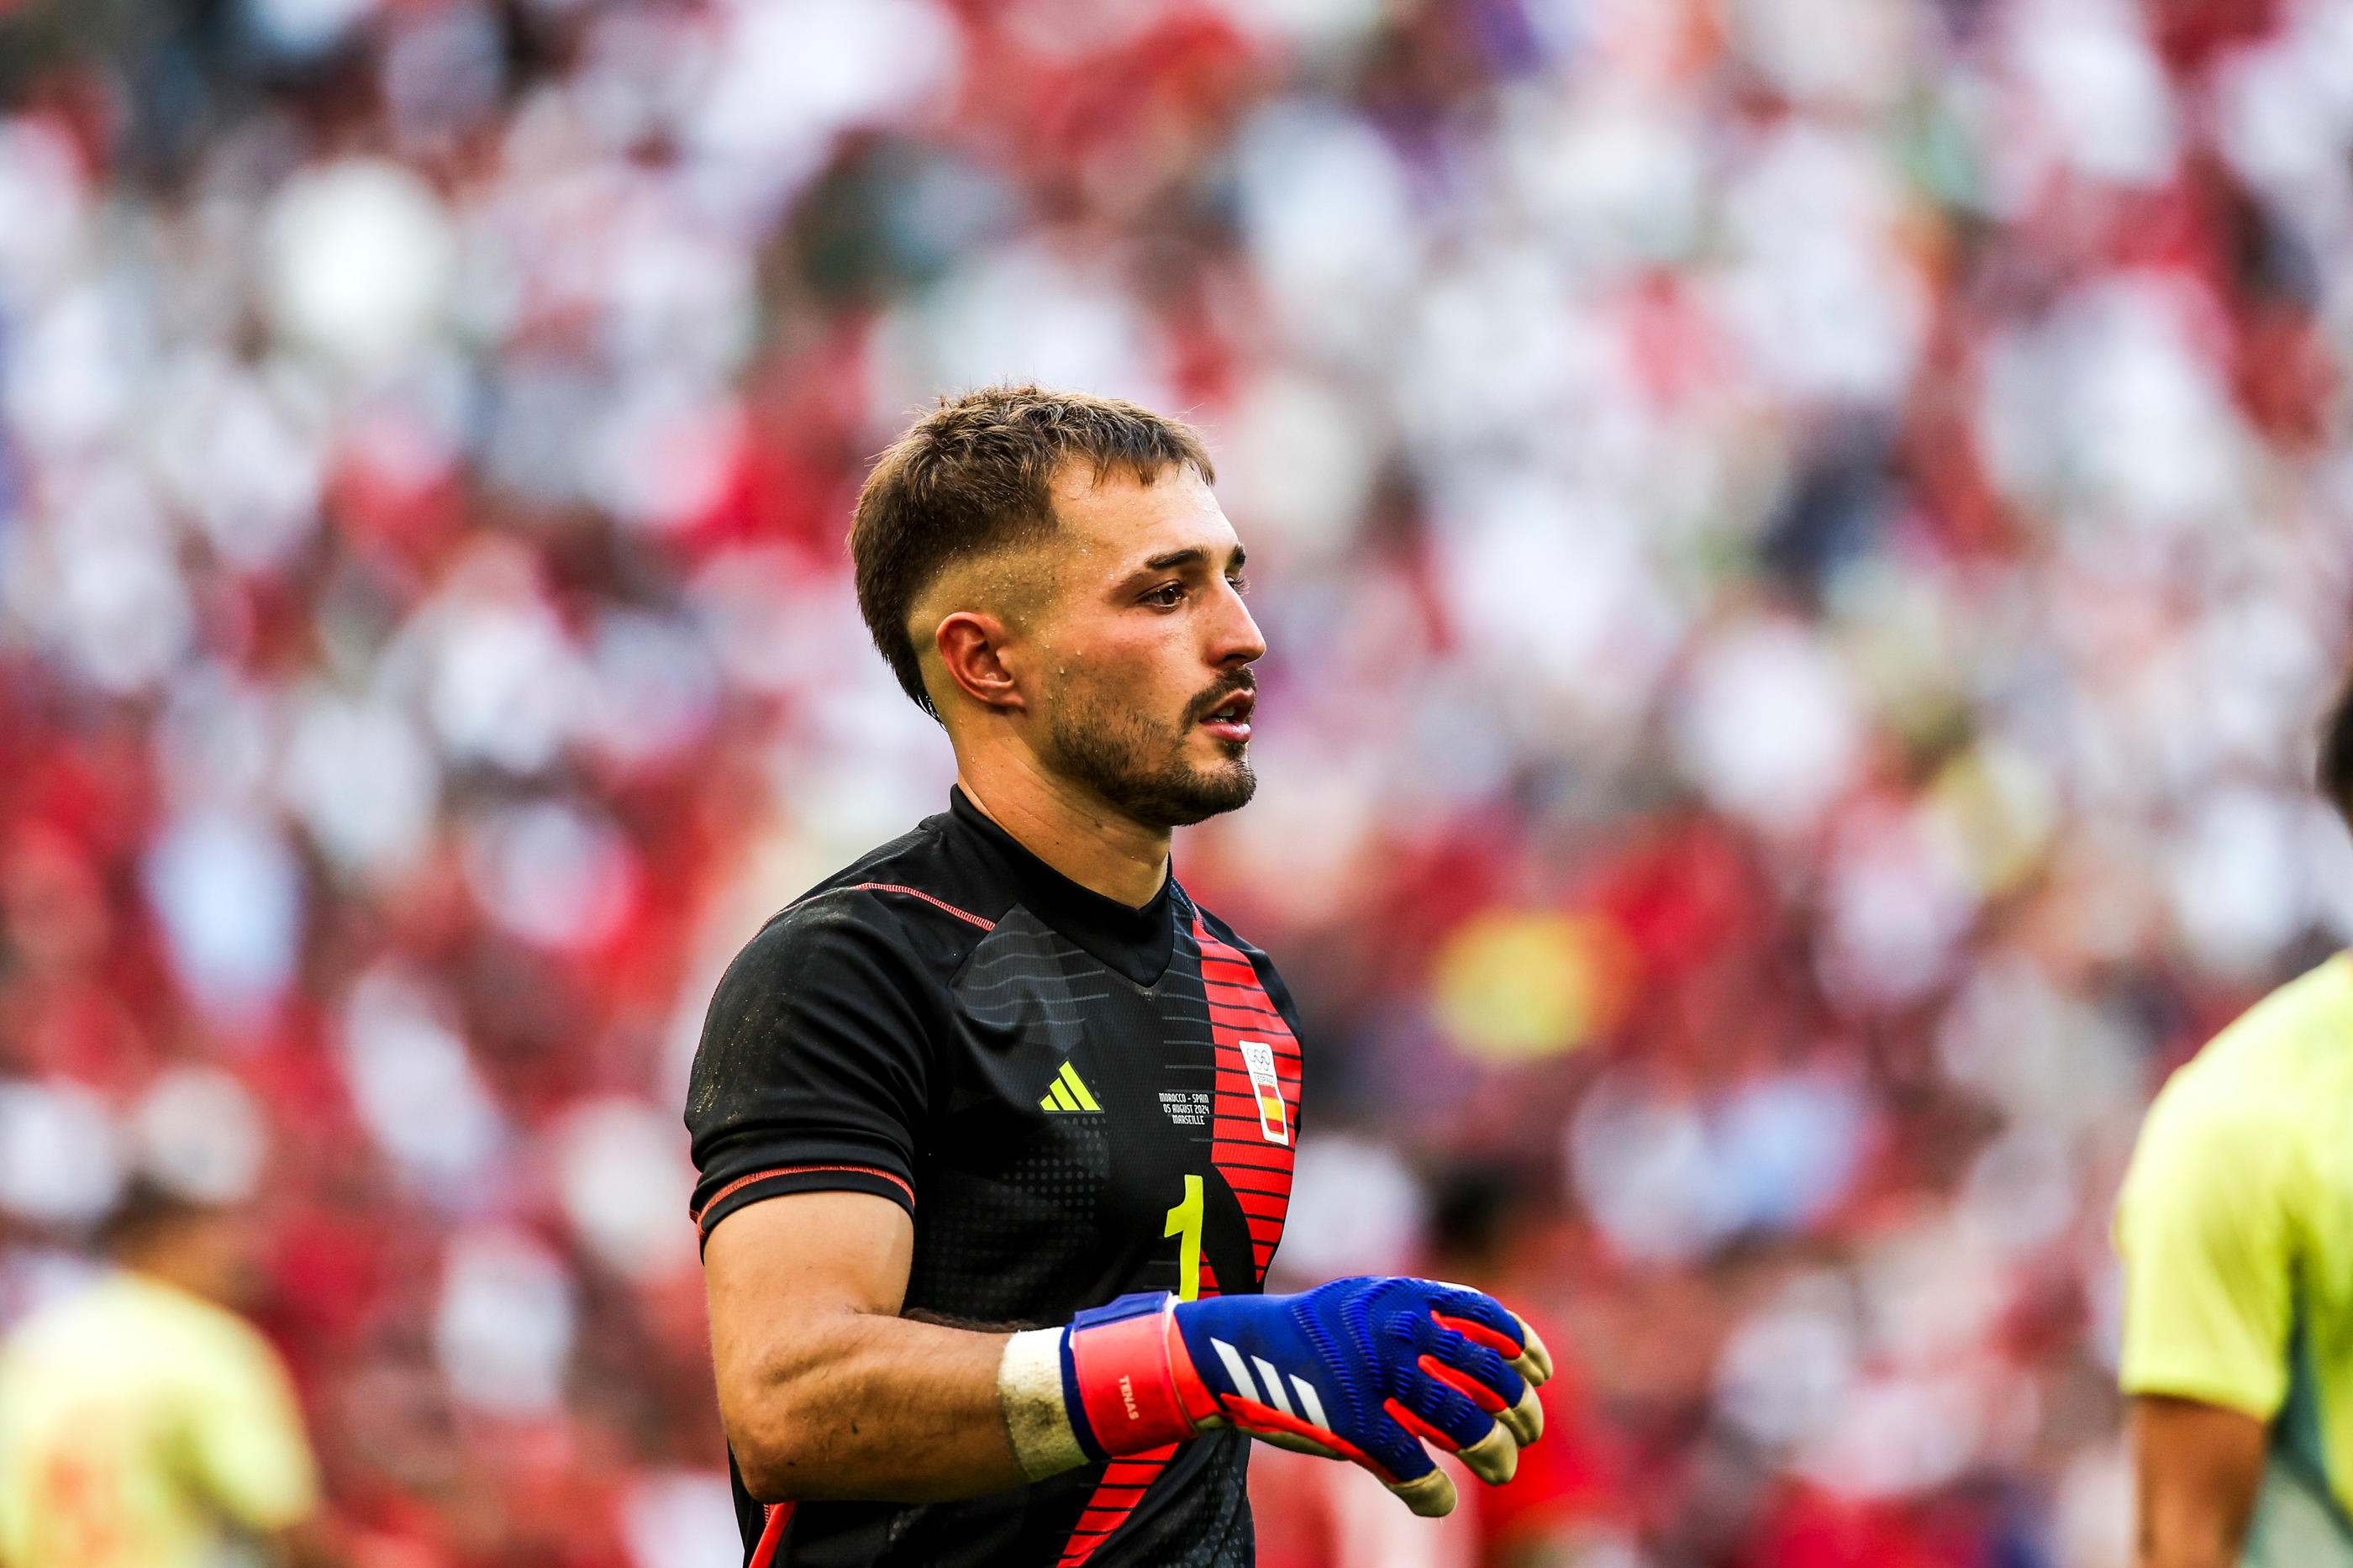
1365 1368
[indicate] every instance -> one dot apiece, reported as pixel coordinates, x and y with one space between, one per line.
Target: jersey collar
1136 944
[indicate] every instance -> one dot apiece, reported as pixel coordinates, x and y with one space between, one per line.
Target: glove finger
1523 1416
1404 1466
1500 1387
1533 1362
1525 1420
1495 1459
1443 1416
1431 1496
1483 1320
1420 1481
1487 1381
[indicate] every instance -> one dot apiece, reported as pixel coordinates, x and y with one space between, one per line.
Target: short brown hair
974 475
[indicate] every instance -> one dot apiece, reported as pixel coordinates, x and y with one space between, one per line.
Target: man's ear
972 648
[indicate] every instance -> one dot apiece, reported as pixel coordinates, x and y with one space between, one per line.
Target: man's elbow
772 1450
769 1474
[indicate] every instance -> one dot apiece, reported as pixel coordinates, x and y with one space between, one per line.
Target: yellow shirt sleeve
2206 1227
250 1454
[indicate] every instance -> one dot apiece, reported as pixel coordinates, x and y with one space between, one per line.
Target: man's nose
1237 639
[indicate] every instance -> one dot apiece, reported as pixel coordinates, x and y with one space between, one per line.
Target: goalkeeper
1003 1074
2236 1227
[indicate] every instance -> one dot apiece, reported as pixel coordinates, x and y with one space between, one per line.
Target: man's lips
1230 719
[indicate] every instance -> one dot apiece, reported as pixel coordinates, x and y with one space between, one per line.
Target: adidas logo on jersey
1066 1093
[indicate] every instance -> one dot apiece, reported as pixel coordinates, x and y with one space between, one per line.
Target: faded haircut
975 476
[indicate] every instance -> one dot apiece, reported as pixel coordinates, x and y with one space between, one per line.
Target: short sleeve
2206 1227
811 1074
246 1436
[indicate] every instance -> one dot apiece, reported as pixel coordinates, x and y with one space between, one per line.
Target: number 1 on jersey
1184 1221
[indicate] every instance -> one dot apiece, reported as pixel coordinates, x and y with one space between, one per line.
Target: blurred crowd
1802 542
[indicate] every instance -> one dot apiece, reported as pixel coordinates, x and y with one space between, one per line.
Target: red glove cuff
1136 1384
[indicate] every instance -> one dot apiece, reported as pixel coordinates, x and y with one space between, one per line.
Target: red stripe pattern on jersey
1114 1498
1256 1113
1251 1143
739 1182
965 915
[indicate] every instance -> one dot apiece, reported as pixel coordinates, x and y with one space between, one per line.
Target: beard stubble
1139 767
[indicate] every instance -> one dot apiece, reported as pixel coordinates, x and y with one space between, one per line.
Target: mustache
1240 681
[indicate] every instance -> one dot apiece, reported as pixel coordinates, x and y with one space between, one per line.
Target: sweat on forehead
975 479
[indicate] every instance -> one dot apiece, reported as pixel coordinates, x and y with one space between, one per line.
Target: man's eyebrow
1192 555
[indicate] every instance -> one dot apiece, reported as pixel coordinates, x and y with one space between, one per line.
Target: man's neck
164 1271
1070 829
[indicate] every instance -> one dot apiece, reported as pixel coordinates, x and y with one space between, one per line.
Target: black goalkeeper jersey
1073 1100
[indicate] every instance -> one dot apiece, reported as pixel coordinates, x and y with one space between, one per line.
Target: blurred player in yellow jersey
2236 1227
142 1423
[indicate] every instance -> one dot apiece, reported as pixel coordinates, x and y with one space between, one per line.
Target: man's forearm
828 1392
864 1406
2184 1543
2199 1468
